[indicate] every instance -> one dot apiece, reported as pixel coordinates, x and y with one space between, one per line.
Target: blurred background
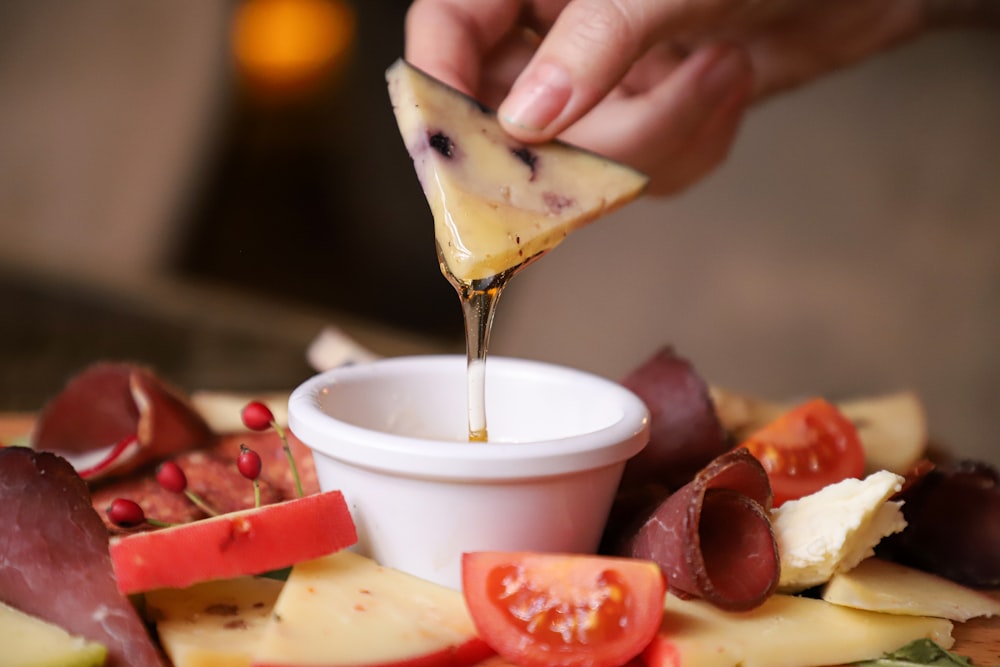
202 186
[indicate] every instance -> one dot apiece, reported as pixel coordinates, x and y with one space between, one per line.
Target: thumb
588 50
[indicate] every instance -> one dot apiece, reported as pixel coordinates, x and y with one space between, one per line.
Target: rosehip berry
248 462
171 477
257 416
125 513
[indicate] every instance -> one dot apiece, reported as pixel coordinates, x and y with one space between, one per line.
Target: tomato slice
809 447
563 610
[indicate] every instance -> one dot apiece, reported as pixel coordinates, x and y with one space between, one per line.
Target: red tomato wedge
809 447
563 610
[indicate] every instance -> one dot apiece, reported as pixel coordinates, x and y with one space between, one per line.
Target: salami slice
54 560
713 537
275 467
685 432
212 476
114 417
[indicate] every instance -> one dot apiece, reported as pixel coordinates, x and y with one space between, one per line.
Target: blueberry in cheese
497 203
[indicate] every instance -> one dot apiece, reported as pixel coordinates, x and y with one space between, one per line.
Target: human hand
658 84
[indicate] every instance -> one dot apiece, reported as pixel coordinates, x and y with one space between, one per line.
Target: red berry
248 462
257 416
171 477
125 513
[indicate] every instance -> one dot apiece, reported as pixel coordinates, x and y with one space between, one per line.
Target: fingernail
538 98
724 74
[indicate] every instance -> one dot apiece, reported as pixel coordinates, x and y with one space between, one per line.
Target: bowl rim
418 457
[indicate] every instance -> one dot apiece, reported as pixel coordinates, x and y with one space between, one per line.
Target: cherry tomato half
809 447
563 610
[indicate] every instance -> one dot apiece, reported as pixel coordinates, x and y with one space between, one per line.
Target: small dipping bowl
392 435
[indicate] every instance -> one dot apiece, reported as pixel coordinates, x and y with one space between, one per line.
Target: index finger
449 39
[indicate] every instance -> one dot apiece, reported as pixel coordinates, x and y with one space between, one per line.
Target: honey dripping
479 299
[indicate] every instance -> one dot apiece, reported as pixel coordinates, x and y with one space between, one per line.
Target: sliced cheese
835 528
28 641
346 609
786 631
213 624
880 585
496 202
892 428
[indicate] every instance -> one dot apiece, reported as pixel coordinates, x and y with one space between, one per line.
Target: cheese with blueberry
497 203
835 528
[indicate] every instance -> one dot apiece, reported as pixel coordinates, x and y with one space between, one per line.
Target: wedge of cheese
345 609
880 585
213 624
835 528
28 641
496 202
786 631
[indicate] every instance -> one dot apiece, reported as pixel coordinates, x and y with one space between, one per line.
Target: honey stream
479 300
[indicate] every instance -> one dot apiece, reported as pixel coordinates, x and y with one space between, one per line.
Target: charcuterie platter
977 639
735 531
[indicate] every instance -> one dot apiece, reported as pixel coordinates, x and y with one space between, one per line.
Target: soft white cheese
835 528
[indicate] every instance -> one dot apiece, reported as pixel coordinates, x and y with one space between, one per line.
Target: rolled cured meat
713 537
685 432
114 417
54 560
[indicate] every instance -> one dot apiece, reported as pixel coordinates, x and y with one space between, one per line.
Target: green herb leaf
919 653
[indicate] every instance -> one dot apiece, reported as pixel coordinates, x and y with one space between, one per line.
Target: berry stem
256 493
159 524
201 504
291 459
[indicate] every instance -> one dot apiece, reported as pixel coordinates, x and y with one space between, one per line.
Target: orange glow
291 44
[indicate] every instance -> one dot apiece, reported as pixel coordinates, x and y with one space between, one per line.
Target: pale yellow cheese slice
28 641
345 609
496 202
786 631
215 623
880 585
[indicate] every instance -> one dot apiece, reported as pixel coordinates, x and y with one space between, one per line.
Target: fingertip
537 99
727 70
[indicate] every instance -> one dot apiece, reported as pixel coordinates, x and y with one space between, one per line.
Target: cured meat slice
54 560
713 536
93 419
952 529
212 474
685 432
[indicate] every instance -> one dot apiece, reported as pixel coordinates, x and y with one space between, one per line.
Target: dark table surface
197 338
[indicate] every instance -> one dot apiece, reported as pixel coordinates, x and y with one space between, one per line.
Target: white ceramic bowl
393 436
